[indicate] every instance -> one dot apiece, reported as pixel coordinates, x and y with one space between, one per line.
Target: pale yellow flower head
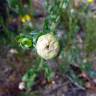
47 46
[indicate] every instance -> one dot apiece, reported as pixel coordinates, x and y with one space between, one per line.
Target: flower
87 1
26 18
47 46
90 1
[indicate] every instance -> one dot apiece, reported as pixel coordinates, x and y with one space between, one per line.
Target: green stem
40 64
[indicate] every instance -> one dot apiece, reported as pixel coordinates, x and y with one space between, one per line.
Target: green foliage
25 41
60 13
50 24
88 68
54 11
31 75
90 38
29 78
48 72
16 6
75 79
13 3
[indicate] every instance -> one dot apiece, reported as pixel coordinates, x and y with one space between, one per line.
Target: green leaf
86 67
48 72
31 81
29 78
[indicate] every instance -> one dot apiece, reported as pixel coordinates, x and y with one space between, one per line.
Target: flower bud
25 42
